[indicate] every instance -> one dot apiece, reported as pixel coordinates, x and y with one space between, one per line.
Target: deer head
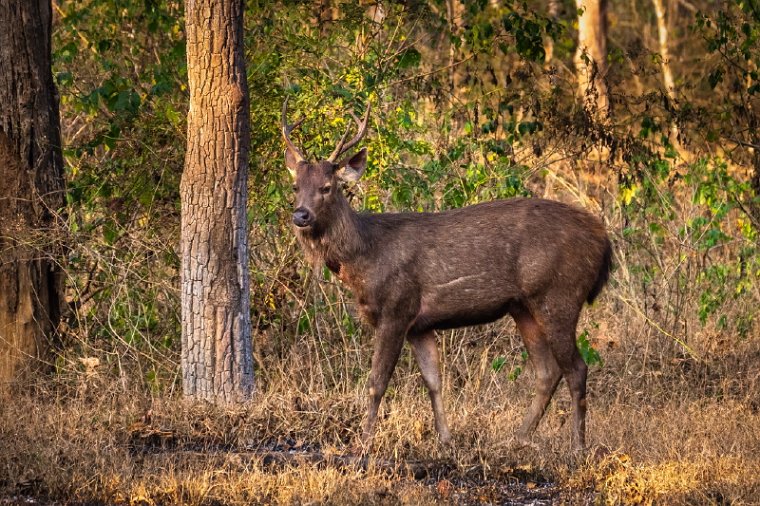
316 184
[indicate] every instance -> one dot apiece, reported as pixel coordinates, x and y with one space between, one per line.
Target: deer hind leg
547 370
388 341
426 353
575 370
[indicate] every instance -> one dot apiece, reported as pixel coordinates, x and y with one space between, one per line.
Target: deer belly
449 314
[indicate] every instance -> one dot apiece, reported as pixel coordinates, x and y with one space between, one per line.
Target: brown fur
413 273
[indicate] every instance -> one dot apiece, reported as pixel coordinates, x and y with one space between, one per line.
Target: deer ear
351 169
291 162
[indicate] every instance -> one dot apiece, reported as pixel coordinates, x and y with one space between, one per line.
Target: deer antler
287 129
342 147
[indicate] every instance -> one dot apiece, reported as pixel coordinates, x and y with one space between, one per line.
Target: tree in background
31 188
591 56
517 127
664 56
217 360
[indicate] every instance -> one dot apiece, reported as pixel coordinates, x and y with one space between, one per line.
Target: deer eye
325 189
295 188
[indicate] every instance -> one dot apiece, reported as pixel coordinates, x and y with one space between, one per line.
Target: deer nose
302 217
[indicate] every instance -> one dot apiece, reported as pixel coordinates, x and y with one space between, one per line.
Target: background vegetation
464 110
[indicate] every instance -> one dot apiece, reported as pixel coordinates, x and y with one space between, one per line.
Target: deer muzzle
302 217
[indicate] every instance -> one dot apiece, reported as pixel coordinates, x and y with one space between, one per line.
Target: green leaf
498 363
127 101
715 78
409 58
515 373
110 233
589 354
67 53
518 369
104 45
64 78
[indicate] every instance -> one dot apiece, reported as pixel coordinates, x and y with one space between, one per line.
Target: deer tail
603 274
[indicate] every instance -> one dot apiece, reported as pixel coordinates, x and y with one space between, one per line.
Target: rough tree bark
217 361
31 187
667 73
591 57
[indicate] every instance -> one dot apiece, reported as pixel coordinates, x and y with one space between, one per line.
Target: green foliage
462 112
528 34
589 354
498 363
120 71
707 239
366 74
518 369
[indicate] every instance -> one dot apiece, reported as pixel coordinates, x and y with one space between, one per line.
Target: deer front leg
426 353
389 338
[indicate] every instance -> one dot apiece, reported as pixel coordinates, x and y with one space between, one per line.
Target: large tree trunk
217 361
31 187
591 57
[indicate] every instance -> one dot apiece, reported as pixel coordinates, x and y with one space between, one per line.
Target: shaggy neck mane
337 239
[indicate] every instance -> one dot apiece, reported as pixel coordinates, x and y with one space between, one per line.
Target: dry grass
662 431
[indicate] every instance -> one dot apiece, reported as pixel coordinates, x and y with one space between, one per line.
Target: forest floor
663 428
181 454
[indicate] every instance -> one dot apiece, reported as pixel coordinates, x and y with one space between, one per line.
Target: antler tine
339 148
287 129
342 146
362 129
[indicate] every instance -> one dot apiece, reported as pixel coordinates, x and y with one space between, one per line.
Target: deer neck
338 241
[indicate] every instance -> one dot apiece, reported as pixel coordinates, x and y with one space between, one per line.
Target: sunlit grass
664 434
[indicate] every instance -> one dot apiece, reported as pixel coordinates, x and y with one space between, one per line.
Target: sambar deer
414 273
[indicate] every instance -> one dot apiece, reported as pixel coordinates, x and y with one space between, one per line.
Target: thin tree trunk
31 187
454 14
667 74
553 13
217 360
591 57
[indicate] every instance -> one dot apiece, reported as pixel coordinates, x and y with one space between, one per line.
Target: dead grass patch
662 431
